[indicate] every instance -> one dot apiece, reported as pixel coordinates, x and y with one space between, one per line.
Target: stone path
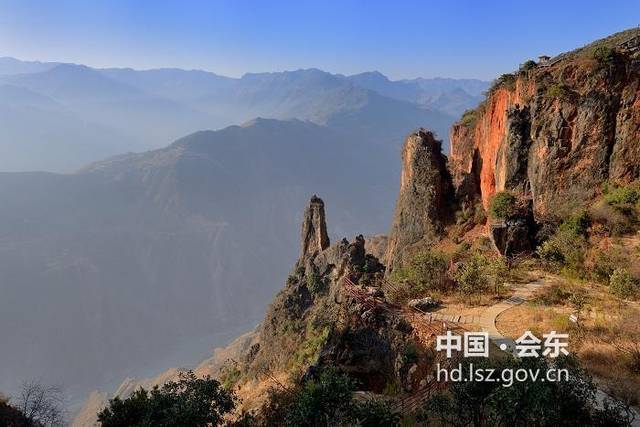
487 321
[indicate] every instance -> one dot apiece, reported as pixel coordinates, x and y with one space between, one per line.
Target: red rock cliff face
555 133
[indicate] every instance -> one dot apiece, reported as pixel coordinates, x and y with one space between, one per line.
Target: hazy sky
399 38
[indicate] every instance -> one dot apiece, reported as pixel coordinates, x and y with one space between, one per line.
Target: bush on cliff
577 224
469 118
503 205
604 54
618 211
528 66
506 81
603 264
558 91
315 284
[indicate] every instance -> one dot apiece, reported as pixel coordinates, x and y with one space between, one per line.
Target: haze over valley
135 262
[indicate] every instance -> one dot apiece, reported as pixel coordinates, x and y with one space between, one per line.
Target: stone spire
424 200
314 228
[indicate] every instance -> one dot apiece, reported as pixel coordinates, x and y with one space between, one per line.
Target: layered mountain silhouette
97 113
127 265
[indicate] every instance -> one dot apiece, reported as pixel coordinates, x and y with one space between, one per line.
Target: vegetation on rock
326 400
190 401
503 205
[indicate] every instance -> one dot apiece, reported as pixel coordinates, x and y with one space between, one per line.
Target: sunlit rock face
555 133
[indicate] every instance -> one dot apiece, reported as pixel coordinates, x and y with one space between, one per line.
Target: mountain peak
372 75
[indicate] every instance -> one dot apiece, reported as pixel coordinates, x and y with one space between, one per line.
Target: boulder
424 304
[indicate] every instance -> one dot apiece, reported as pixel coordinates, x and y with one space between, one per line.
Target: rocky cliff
425 196
314 228
314 321
555 131
551 133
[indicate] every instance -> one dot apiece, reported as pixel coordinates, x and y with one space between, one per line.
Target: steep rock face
314 322
314 228
424 198
555 133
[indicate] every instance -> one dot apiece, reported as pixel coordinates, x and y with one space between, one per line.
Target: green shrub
622 284
507 81
471 276
528 65
309 350
497 273
502 205
531 402
326 400
229 376
577 224
188 401
551 252
566 250
604 264
557 91
616 219
425 272
469 118
578 300
315 284
329 395
604 54
626 195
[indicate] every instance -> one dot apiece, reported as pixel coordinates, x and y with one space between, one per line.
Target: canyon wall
555 132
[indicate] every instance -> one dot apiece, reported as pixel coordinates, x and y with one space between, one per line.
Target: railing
426 330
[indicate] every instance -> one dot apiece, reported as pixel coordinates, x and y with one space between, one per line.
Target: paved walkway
487 322
488 318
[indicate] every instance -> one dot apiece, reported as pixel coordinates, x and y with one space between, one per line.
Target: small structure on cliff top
543 59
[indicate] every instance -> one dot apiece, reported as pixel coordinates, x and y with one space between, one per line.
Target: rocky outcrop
314 228
423 204
555 133
513 237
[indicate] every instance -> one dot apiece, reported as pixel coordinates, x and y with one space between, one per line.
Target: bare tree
42 405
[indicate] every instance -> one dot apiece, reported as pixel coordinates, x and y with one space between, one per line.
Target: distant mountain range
136 262
58 117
